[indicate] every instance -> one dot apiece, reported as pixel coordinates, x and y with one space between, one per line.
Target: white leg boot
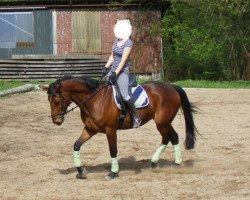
158 152
177 154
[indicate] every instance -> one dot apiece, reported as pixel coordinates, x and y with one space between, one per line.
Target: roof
84 3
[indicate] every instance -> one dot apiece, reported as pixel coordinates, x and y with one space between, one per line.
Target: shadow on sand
127 164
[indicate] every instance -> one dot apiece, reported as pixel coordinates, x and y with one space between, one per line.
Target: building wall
63 35
146 53
108 20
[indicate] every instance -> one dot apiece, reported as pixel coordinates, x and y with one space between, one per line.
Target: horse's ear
44 87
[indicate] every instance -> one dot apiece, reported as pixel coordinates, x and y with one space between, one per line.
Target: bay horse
100 115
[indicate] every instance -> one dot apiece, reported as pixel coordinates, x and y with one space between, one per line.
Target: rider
118 61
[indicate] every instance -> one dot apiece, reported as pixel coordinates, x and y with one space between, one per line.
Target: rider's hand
112 77
105 70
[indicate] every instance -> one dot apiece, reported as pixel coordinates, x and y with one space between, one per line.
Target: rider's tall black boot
132 111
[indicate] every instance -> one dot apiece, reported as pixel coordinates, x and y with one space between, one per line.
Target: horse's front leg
112 141
85 136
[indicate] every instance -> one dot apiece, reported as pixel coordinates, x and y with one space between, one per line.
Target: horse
99 114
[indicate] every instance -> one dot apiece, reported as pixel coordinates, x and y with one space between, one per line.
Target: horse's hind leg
168 134
174 139
164 131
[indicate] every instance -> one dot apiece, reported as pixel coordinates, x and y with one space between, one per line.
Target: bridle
62 113
62 100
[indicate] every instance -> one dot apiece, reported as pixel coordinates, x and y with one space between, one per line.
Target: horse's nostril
58 123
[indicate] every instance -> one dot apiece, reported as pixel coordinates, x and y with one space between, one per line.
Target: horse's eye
54 98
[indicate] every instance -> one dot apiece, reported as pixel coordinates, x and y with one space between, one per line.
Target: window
16 30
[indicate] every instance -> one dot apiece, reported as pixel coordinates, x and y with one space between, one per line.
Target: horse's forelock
52 86
50 90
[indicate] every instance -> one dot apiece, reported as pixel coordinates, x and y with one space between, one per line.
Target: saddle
117 94
137 93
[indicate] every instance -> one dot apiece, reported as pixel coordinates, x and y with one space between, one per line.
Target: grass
185 83
208 84
4 85
214 84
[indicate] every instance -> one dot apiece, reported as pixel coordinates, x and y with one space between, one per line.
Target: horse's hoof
111 176
177 164
79 176
154 165
82 175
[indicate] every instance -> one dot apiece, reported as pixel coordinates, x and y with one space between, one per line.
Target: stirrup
136 122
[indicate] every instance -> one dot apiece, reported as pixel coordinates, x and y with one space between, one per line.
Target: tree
206 39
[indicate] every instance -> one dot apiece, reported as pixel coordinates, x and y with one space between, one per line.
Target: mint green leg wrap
177 154
158 152
77 159
114 165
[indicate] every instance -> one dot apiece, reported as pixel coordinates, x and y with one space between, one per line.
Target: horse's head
60 94
59 101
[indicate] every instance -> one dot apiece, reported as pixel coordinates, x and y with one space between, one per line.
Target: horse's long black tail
188 110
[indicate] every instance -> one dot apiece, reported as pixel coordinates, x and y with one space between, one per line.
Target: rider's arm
110 60
125 55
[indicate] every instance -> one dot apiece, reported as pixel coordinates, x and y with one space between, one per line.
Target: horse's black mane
91 83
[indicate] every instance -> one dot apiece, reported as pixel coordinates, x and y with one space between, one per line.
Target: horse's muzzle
58 120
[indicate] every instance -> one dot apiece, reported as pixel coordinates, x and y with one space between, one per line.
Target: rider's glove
112 77
104 71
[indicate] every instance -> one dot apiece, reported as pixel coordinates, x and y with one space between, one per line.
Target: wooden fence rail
49 69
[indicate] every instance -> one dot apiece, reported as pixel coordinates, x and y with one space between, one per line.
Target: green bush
206 39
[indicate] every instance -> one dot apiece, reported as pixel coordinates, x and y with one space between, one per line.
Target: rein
84 102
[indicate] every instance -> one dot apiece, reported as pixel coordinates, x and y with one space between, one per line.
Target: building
80 28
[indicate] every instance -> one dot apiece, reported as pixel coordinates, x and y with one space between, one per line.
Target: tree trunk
21 89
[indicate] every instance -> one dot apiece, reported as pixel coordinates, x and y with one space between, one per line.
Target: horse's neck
81 94
94 106
74 87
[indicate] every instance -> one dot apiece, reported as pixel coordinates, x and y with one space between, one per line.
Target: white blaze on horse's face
57 109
